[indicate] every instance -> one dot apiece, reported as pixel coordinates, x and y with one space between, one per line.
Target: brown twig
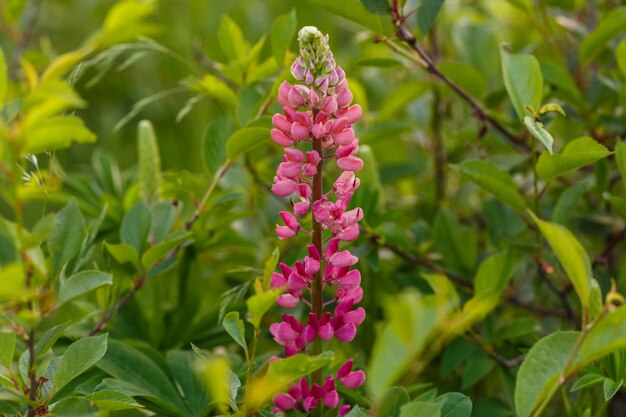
428 63
109 314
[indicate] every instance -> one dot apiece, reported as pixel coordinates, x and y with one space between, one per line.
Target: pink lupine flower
318 118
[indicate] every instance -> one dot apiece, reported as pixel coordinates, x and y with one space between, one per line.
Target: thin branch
27 36
428 63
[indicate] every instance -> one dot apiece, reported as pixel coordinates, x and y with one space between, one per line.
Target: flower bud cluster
318 114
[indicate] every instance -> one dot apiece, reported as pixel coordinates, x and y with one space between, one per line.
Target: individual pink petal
295 98
280 122
301 208
350 163
280 138
344 98
343 410
345 369
284 401
319 130
326 331
346 333
290 220
331 399
285 232
330 105
349 234
278 280
352 114
283 188
283 93
345 137
287 300
355 317
351 280
354 379
309 404
299 132
342 259
293 155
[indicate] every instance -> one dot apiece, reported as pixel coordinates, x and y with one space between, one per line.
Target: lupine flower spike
318 112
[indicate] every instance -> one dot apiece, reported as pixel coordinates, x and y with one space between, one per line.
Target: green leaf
79 357
235 328
421 409
141 373
109 400
149 162
73 407
610 388
124 22
122 253
82 283
3 76
620 159
570 254
283 31
379 7
567 202
493 274
136 227
466 76
245 140
259 304
535 127
427 13
585 381
455 404
493 179
477 368
283 371
610 26
56 132
356 411
355 11
66 236
551 107
7 348
217 89
578 153
214 143
523 81
156 253
540 372
231 39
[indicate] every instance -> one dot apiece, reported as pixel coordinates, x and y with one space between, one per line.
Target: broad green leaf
244 140
125 21
136 369
493 274
109 400
235 328
570 254
620 55
611 25
122 253
618 203
55 133
66 236
7 348
493 179
355 11
455 404
12 285
620 159
283 371
556 75
59 66
73 407
535 127
3 76
379 7
149 162
79 357
576 154
427 13
183 364
136 227
476 368
540 372
269 267
283 31
259 304
82 283
606 337
217 89
231 39
214 143
156 253
523 81
421 409
356 411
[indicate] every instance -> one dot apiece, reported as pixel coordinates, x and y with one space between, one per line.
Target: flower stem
317 296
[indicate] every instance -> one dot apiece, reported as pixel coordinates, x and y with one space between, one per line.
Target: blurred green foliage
136 221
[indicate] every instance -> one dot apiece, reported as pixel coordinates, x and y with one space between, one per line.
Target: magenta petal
331 399
346 333
326 331
280 138
344 369
350 163
355 317
284 401
343 410
354 379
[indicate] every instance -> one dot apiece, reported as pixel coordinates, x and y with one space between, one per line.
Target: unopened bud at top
316 59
